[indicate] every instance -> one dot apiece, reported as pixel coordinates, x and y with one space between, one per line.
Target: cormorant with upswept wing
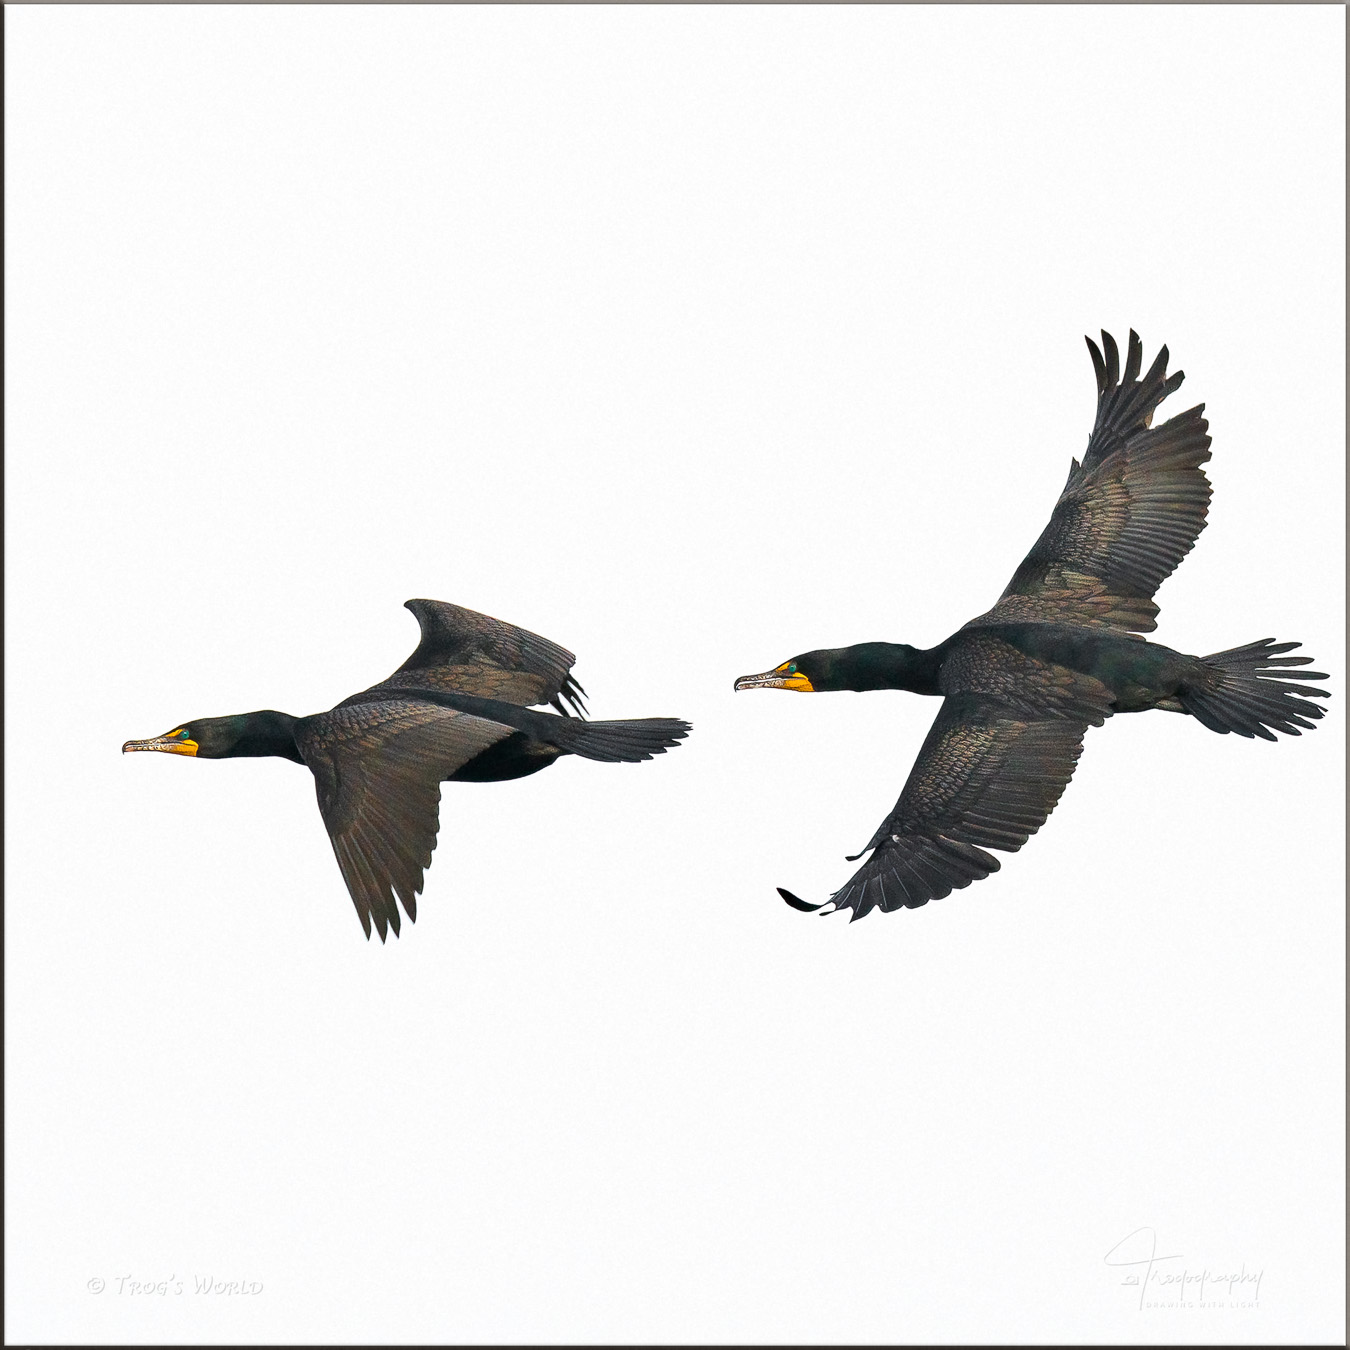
1057 654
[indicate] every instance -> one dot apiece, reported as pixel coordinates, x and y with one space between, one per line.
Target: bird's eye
792 668
182 735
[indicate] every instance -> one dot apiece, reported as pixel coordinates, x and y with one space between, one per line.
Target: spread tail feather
1247 690
624 742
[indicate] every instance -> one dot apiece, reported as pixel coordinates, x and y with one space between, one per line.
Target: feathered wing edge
378 768
1129 512
1125 405
461 649
985 778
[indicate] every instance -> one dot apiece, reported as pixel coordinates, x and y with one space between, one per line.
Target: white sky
691 339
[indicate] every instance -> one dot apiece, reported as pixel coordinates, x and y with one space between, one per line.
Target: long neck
264 733
885 665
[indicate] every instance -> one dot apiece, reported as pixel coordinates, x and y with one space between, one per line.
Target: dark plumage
1058 653
454 711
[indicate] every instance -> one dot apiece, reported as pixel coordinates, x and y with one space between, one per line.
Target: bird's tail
624 742
1247 690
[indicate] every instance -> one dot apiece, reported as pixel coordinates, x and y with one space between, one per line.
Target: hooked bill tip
769 679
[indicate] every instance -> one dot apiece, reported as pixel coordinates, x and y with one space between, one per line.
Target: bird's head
179 741
805 674
205 739
258 733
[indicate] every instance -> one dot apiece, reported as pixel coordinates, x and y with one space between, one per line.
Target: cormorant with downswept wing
455 711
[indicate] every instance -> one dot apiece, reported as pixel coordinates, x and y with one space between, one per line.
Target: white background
691 339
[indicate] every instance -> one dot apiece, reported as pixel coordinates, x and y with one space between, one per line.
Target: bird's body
455 711
1059 652
1017 657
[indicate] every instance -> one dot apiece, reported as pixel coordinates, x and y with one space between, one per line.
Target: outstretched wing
1129 513
378 769
466 652
986 777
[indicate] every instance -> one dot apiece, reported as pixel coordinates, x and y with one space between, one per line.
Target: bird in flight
1058 653
457 710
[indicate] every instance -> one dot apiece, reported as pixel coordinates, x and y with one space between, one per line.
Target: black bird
454 711
1057 654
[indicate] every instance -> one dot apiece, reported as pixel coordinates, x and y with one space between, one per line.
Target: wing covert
462 651
378 768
